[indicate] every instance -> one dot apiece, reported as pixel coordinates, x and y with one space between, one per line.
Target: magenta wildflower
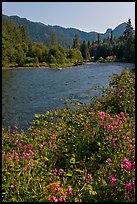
133 140
108 160
54 146
122 114
123 89
126 138
54 199
62 199
25 155
30 152
28 147
126 164
112 180
17 158
116 116
61 171
128 186
101 113
54 172
115 123
58 189
133 165
28 167
113 143
88 178
110 127
69 191
132 149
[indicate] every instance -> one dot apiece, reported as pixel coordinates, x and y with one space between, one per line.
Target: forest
19 50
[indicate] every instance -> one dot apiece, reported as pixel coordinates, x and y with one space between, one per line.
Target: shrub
82 153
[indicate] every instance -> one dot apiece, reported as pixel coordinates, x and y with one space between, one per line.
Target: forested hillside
41 33
19 49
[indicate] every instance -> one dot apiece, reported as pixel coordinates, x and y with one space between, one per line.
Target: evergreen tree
129 29
98 40
85 51
54 40
76 42
111 38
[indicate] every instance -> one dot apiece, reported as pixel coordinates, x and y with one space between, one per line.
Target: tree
98 39
85 51
111 38
54 40
129 29
76 42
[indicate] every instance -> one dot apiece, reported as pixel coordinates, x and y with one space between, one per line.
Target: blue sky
85 16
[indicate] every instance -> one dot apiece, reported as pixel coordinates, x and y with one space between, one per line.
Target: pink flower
126 138
133 140
88 121
112 180
30 152
108 115
115 123
122 114
62 199
115 137
28 167
10 156
128 186
109 127
58 189
116 116
54 199
19 144
113 143
69 191
25 155
132 149
108 160
101 114
3 129
126 164
28 147
133 165
17 158
123 88
61 171
54 146
54 172
88 178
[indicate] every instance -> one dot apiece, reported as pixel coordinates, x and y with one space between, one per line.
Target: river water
29 91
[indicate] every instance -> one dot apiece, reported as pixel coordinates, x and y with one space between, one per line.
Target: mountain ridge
41 33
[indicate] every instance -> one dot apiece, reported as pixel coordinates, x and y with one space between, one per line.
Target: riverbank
47 67
75 155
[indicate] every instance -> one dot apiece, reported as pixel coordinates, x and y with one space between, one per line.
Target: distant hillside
42 33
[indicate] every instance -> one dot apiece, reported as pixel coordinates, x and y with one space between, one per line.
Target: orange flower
52 186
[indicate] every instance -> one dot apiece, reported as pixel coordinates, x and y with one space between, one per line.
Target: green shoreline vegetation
82 153
18 50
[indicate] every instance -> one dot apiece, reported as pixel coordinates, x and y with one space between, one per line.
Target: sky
85 16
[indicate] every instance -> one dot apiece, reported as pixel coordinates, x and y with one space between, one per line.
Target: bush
80 153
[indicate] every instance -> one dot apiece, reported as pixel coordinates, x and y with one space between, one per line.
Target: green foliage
17 48
82 153
85 51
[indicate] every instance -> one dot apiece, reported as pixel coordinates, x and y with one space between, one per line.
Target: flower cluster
113 180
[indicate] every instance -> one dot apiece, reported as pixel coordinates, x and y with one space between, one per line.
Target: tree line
19 50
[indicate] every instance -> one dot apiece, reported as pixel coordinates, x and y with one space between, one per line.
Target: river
29 91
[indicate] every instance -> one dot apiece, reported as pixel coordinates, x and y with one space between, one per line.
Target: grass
83 153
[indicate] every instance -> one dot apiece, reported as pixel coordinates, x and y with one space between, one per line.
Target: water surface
28 91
